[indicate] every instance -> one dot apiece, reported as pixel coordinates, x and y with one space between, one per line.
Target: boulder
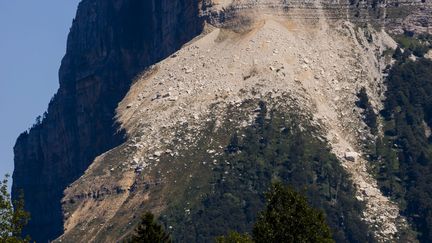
157 153
351 156
429 55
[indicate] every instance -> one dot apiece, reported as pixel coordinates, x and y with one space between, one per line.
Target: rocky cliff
395 16
110 43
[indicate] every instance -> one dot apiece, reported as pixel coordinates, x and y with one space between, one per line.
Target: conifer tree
13 218
149 231
289 218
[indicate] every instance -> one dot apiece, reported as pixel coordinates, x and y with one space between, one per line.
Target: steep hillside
403 159
109 43
180 115
317 53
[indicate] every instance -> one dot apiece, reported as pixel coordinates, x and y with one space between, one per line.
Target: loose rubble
322 68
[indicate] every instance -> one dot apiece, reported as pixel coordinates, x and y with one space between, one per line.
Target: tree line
287 218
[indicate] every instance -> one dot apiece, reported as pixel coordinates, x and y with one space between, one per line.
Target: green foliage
13 218
286 218
417 46
279 146
149 231
234 237
404 154
289 218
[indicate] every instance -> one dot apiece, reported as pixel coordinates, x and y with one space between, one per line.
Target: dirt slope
323 67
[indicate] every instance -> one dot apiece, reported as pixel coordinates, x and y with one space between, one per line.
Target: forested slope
403 161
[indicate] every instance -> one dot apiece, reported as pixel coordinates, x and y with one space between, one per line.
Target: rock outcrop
111 41
395 16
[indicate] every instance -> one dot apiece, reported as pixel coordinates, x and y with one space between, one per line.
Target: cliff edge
109 43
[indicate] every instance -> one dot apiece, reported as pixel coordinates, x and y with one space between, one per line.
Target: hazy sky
32 42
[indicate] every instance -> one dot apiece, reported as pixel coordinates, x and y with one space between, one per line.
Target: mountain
152 94
110 42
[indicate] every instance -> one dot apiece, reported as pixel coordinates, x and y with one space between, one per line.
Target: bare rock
351 156
429 55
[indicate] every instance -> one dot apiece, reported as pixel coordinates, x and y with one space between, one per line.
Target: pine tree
289 218
149 231
13 218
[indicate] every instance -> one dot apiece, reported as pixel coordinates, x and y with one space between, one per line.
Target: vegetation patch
282 146
417 45
403 156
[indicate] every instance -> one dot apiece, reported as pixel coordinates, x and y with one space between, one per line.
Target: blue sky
32 42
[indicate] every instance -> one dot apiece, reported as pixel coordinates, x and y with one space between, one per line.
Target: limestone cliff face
109 42
394 15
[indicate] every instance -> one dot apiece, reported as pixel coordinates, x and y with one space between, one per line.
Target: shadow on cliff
109 43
